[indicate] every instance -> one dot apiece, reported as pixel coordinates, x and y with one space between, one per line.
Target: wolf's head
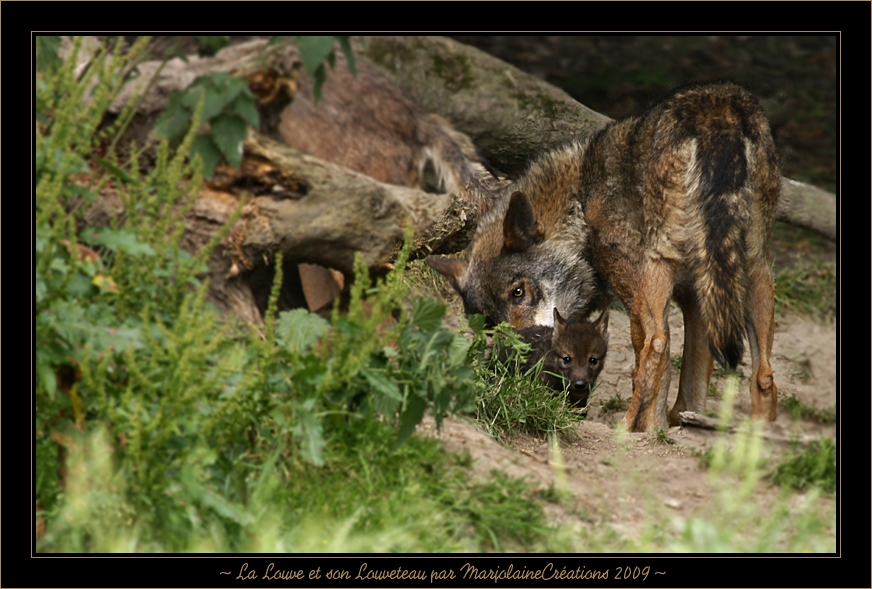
526 259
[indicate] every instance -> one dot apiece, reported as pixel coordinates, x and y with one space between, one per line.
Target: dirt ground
617 479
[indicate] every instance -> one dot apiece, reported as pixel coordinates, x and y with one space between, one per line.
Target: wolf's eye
567 360
518 292
593 361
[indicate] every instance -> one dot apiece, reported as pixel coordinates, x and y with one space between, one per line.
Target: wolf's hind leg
650 336
696 363
761 330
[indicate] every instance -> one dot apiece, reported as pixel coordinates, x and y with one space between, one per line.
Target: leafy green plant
179 430
228 107
813 466
315 51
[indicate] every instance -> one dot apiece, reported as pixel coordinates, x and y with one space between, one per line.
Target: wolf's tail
451 162
719 252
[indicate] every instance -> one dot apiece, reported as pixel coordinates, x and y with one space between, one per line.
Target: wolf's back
732 179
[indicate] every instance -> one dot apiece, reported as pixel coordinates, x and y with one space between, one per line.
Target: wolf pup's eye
567 360
593 361
518 292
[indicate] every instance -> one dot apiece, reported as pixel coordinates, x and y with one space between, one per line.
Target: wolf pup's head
578 350
522 263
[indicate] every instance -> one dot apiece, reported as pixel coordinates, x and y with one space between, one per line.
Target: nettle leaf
382 384
427 314
228 132
345 43
208 152
116 240
246 108
319 76
221 90
174 121
477 323
299 329
313 51
458 350
411 417
309 433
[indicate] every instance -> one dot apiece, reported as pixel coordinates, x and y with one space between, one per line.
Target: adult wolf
678 202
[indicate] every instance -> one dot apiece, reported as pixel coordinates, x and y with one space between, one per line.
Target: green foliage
228 107
814 466
315 51
380 360
181 431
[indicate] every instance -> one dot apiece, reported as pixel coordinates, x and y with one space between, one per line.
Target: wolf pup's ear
520 229
602 324
451 268
559 324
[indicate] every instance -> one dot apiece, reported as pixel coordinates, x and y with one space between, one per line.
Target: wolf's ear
451 268
520 229
602 324
559 324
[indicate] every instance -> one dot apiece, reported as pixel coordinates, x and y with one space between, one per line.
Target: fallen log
320 213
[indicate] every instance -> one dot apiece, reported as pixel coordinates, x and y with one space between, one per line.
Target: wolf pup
678 202
574 353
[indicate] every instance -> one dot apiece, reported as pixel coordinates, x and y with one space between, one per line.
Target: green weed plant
162 427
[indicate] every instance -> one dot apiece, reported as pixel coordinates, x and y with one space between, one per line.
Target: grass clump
614 403
510 400
814 466
799 410
808 289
